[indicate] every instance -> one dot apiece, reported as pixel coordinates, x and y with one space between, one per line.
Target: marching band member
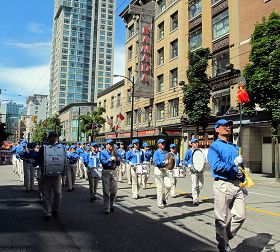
24 155
135 157
80 165
73 158
229 198
121 155
128 168
14 159
147 161
162 178
51 185
109 161
196 177
93 170
176 155
85 157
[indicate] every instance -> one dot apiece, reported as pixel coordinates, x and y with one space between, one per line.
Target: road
136 225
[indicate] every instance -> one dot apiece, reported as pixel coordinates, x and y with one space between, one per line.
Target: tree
197 91
91 124
263 74
41 129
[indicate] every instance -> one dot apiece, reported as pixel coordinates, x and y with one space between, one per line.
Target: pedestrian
94 170
229 197
197 177
147 163
135 160
109 161
52 160
121 155
72 166
128 168
173 151
162 178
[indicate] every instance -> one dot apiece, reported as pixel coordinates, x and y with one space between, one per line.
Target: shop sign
147 133
173 132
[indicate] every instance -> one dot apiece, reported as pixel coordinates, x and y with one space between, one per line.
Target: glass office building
82 51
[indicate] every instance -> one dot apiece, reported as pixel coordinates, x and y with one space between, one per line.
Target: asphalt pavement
136 225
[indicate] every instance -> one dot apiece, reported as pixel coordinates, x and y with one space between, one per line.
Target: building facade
11 114
69 118
159 36
36 110
82 51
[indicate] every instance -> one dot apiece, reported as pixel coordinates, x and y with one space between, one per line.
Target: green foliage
40 132
263 72
197 91
91 124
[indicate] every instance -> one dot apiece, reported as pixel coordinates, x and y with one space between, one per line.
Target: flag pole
240 128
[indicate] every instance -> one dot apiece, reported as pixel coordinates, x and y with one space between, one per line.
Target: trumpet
248 180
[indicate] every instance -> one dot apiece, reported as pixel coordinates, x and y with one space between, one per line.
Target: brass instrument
248 180
114 154
171 161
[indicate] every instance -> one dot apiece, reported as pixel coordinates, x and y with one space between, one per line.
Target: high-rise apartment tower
82 51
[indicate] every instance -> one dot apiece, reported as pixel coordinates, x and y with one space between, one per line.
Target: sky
25 47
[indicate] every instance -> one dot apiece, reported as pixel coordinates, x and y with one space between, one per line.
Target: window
130 31
104 104
215 1
161 30
160 56
195 9
220 24
174 108
174 49
173 77
220 62
195 39
160 111
129 53
112 101
129 73
128 118
220 102
129 96
118 99
160 83
174 21
147 116
162 5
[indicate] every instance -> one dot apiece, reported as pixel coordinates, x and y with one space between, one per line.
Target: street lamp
132 102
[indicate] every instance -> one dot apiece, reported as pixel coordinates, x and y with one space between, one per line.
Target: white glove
113 158
131 163
238 160
180 164
166 162
189 166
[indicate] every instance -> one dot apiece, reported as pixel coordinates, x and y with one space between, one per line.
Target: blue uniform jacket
136 157
221 157
127 154
148 155
94 160
80 151
121 154
105 158
177 159
159 158
72 157
188 157
85 158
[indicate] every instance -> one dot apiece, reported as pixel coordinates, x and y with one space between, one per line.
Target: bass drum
198 159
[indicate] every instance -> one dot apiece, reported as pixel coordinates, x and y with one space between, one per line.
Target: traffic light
34 119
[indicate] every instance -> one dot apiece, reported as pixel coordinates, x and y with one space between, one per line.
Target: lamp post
132 102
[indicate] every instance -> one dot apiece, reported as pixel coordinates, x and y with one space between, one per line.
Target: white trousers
163 184
197 184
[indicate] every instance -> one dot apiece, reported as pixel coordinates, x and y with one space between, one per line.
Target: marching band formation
55 165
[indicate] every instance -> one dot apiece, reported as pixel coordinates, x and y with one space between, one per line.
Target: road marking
265 195
117 205
262 211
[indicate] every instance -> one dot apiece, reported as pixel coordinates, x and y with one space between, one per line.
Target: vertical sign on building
144 86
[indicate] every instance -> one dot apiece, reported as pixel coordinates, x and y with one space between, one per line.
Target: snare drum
139 169
96 172
146 167
178 172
